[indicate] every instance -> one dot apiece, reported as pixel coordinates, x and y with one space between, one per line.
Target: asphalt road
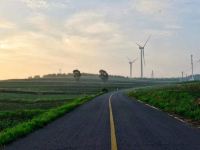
135 125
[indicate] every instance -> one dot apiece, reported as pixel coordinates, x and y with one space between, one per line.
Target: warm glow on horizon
38 37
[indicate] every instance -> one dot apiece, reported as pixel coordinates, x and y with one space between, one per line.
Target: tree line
103 75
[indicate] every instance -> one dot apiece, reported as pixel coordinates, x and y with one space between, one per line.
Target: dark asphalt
85 128
138 127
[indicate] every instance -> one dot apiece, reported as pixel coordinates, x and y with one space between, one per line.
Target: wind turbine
131 65
152 74
141 48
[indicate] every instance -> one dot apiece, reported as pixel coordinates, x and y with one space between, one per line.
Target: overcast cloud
41 36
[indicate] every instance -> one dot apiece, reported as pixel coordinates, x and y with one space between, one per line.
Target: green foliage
38 121
32 97
181 99
68 86
77 74
12 118
21 101
103 75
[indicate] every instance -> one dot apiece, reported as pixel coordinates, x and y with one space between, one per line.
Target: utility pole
192 65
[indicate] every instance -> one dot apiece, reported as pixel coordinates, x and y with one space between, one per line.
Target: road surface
112 121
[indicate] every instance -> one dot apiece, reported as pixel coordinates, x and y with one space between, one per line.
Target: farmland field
87 85
181 99
23 100
16 108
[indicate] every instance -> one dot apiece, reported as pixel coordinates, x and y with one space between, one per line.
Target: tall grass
39 121
181 99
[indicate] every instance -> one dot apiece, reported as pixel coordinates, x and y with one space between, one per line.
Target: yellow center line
112 127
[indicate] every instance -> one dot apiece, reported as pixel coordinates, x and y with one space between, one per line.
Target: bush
180 99
104 90
39 121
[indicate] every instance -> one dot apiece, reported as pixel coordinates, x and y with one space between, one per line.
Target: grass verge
22 129
181 99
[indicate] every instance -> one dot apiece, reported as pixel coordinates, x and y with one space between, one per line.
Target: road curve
140 127
136 127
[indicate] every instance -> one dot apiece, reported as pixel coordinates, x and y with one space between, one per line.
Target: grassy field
23 100
17 108
28 121
181 99
86 85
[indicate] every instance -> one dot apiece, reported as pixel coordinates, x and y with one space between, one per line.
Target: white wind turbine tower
152 74
131 65
141 48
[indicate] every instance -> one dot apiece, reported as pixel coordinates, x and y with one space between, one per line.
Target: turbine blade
147 41
134 60
128 58
138 44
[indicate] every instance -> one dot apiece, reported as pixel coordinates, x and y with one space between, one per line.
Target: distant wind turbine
131 65
141 48
152 74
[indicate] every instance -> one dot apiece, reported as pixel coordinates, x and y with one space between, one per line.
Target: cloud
42 37
151 7
91 28
4 24
156 17
173 27
84 35
90 24
159 33
38 4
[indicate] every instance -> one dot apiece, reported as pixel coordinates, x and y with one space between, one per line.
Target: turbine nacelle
131 62
140 47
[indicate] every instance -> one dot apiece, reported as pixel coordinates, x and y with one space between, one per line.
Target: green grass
38 121
69 86
17 107
180 99
23 102
12 118
30 97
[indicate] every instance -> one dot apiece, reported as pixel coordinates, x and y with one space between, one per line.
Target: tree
36 77
77 74
103 75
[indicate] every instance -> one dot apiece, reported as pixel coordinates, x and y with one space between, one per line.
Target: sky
43 36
